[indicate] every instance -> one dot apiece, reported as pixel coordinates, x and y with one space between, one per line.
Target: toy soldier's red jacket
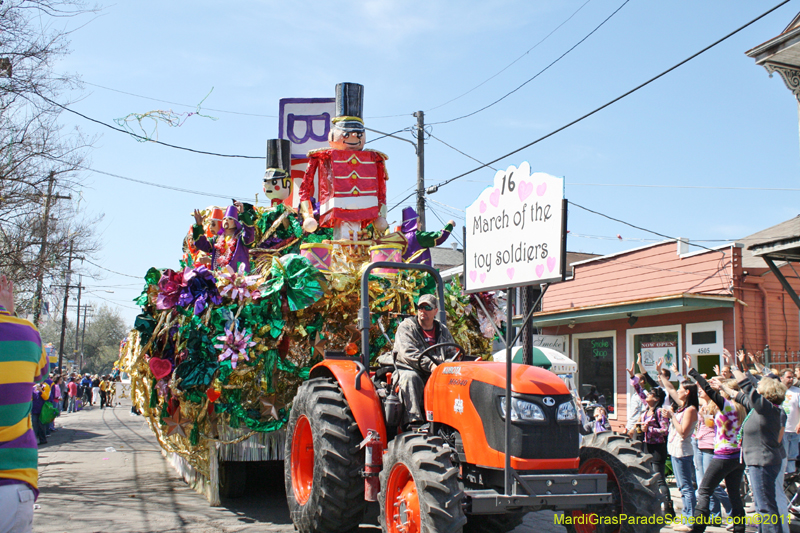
352 184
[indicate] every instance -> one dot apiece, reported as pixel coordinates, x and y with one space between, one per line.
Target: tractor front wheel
419 487
322 461
631 481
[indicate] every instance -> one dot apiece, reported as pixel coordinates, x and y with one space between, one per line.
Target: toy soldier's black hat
349 107
279 158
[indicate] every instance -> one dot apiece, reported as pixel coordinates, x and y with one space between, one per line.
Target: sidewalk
134 490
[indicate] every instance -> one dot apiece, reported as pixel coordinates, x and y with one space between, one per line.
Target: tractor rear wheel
322 461
419 487
631 481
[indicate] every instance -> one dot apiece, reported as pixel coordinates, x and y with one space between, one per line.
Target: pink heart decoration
483 277
472 275
483 207
541 189
539 270
494 198
525 189
160 368
510 272
551 263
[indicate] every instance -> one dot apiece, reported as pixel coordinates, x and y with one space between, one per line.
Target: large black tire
328 494
631 481
232 479
420 484
493 523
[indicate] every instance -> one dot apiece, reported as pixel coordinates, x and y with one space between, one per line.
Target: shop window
656 346
596 369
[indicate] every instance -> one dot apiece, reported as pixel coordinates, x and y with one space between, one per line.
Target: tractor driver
414 335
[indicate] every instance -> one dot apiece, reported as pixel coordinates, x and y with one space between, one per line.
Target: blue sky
718 121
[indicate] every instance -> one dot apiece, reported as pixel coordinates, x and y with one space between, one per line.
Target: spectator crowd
726 437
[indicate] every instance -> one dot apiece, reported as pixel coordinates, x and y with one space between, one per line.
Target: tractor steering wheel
427 352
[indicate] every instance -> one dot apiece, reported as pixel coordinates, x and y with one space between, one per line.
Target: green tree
105 329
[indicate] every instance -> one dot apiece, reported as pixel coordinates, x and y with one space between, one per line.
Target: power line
617 99
177 103
113 271
401 201
513 62
65 108
459 151
116 303
559 58
159 185
693 243
452 234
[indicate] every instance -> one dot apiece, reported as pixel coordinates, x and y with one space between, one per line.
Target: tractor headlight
522 410
567 411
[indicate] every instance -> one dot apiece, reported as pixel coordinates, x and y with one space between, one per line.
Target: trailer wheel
631 481
232 480
493 523
419 487
322 461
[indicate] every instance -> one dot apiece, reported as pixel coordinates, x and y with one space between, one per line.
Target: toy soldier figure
352 180
278 178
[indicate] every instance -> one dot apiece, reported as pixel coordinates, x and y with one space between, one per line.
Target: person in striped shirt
23 363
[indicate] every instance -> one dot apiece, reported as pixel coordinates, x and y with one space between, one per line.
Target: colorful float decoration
224 340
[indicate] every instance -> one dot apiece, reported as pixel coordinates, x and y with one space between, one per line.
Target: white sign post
515 231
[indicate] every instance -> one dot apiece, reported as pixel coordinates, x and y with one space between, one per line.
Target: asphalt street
103 471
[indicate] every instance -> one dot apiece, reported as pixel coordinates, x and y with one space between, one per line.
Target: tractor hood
524 379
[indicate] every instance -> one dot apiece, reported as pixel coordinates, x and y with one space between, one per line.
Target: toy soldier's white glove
380 224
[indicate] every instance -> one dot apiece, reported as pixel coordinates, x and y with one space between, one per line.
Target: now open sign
516 231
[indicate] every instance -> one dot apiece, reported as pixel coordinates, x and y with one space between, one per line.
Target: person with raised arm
655 428
636 407
760 438
725 463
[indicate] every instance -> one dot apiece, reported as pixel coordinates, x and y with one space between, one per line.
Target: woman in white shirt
679 442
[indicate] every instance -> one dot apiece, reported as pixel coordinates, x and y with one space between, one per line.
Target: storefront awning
675 303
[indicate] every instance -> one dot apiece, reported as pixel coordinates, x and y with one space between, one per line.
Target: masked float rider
351 180
229 246
414 335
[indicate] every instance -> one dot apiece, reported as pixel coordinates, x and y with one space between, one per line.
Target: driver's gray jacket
409 342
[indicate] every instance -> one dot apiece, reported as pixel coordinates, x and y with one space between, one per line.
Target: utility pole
37 309
83 335
420 169
64 313
78 315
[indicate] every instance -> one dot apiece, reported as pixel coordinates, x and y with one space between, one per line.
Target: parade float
259 293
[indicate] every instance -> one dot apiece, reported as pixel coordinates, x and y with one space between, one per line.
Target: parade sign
516 231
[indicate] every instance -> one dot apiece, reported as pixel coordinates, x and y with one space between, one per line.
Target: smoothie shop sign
516 231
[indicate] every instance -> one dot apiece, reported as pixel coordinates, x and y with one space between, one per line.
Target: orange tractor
469 468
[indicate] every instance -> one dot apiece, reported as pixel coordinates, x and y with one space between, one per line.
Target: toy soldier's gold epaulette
384 156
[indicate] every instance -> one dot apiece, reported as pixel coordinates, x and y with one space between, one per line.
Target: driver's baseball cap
429 299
